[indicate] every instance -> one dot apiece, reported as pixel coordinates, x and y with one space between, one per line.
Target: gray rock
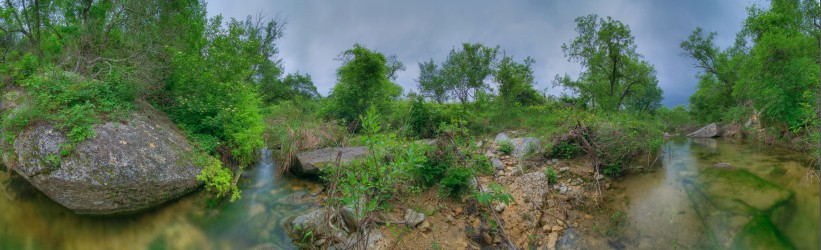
124 168
349 217
413 218
501 137
569 240
708 131
497 163
489 154
525 146
599 177
563 169
311 163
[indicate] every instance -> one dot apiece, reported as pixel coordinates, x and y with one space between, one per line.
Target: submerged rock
125 167
706 132
739 189
311 163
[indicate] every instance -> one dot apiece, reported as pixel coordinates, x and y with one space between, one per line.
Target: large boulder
525 146
708 131
126 167
311 163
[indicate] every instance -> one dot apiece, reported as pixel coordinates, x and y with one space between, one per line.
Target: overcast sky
415 31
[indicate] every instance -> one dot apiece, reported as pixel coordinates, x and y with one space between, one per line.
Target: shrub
423 119
565 150
456 181
550 174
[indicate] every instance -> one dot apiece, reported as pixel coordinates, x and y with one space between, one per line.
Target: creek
30 220
760 200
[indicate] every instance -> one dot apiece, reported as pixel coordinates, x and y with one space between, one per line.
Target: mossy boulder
126 167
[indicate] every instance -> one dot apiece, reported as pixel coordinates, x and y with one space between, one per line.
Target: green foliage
614 75
368 183
506 147
456 181
364 82
74 103
424 119
212 99
462 74
495 193
565 150
516 82
216 177
552 177
775 75
672 119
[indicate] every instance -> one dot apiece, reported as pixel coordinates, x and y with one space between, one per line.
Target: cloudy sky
415 31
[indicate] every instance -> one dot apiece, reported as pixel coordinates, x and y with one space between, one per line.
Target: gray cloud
415 31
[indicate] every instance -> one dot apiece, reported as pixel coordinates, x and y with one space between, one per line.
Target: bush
565 150
424 119
74 103
456 181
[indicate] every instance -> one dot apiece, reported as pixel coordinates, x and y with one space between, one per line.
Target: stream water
30 220
761 202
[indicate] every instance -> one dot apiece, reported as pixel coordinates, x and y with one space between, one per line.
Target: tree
465 70
613 72
431 82
714 92
516 82
781 70
363 81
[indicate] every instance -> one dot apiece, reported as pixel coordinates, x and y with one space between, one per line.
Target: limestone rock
501 137
525 146
497 163
311 163
126 167
706 132
413 218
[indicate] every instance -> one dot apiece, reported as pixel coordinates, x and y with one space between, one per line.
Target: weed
506 147
552 177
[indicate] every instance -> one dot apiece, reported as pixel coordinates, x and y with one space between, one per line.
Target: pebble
424 227
500 207
599 177
546 228
449 219
457 211
563 169
556 228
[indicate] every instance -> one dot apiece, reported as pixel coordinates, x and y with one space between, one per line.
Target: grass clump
506 147
550 174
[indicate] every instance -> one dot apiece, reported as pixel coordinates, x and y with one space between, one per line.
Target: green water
763 202
30 220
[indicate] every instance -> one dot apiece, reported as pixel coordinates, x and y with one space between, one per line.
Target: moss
760 233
